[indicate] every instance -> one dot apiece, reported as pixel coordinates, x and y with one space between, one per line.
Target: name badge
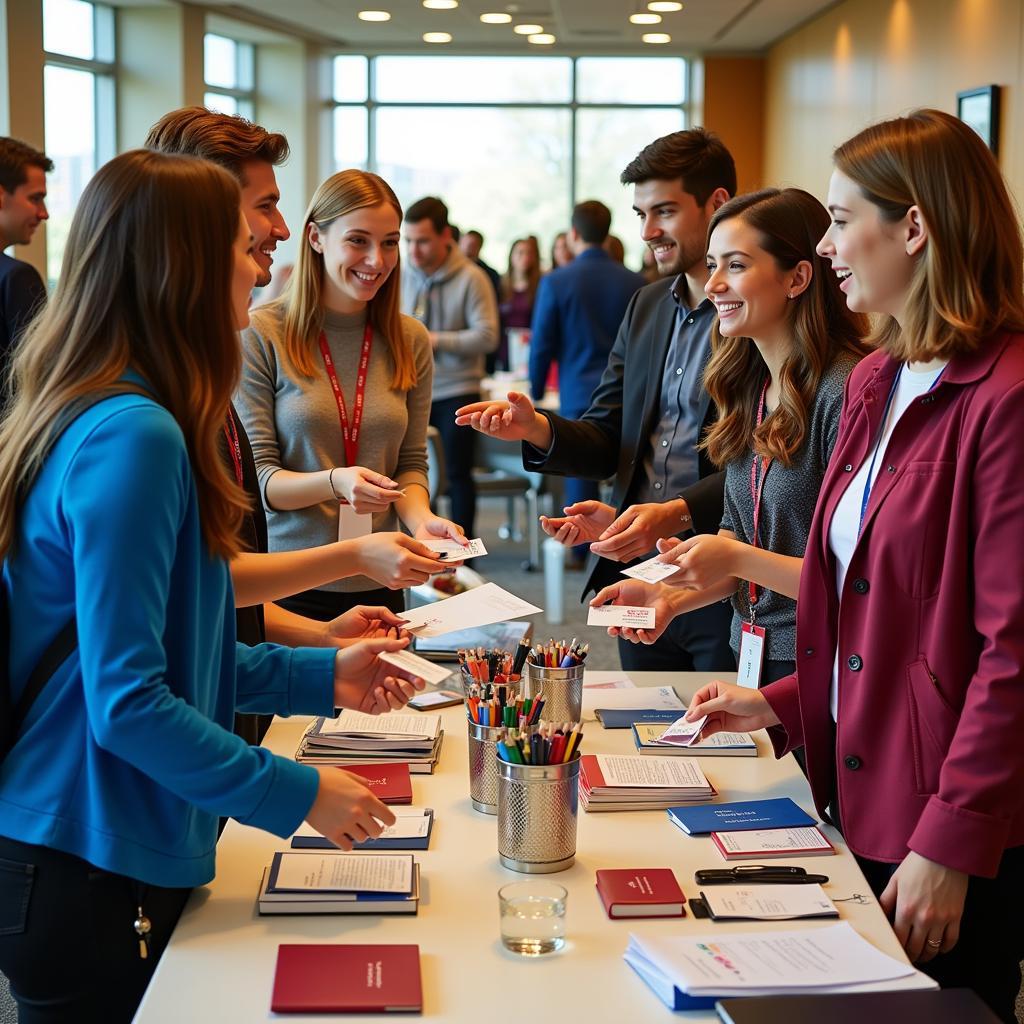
751 656
352 525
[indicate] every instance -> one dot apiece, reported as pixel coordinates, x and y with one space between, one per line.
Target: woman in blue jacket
116 511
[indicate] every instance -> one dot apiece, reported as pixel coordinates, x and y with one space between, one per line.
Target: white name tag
751 656
352 525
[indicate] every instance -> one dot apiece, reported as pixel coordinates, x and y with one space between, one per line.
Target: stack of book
352 737
614 782
340 883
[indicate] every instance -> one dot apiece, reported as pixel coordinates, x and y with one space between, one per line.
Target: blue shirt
671 463
126 759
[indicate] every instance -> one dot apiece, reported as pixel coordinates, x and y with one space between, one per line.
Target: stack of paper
353 737
647 738
410 832
641 698
614 782
688 972
340 883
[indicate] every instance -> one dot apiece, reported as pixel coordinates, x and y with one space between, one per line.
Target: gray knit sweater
787 505
292 421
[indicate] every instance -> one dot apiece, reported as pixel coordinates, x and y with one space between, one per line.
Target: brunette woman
518 292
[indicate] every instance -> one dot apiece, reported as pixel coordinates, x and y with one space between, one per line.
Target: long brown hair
968 281
789 223
146 286
301 305
508 286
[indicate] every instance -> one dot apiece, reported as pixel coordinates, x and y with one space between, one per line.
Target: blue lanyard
866 497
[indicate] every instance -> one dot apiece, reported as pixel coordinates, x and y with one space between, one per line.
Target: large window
510 143
79 102
229 69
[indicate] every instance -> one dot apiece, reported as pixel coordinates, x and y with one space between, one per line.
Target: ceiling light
437 37
374 16
645 19
541 39
656 37
441 5
528 30
495 19
665 6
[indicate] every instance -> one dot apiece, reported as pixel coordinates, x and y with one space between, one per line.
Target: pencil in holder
560 688
538 806
483 767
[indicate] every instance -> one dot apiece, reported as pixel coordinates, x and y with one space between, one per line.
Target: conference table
219 965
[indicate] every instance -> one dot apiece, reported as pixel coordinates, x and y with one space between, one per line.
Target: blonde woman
335 394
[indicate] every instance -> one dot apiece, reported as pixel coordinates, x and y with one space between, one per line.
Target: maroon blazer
928 753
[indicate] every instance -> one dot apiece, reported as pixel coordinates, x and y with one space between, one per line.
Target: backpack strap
53 657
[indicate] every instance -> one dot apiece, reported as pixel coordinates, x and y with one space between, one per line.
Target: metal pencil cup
483 767
561 689
538 805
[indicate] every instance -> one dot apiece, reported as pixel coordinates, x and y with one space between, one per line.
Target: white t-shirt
845 525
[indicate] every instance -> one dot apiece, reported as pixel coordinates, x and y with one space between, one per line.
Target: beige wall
866 60
733 107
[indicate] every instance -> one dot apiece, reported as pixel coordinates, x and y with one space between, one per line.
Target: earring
791 295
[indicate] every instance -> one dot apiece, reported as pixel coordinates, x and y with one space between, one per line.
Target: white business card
453 551
651 571
409 662
682 733
634 616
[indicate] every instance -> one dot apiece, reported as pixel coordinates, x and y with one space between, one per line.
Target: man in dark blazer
650 409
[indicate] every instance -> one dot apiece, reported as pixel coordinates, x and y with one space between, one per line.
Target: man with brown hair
22 209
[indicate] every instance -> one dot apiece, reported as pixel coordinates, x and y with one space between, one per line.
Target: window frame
244 95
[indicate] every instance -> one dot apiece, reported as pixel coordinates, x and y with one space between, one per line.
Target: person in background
518 292
335 394
561 252
578 312
614 247
117 515
453 298
650 410
782 349
907 693
23 173
471 244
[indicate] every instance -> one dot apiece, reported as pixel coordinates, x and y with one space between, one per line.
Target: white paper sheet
634 616
768 902
428 670
477 607
453 551
773 840
344 872
639 698
396 723
412 823
651 571
641 770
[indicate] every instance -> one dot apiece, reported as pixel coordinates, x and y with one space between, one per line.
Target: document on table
642 770
651 571
426 670
412 823
453 551
637 698
767 902
603 680
760 963
395 723
477 607
634 616
343 872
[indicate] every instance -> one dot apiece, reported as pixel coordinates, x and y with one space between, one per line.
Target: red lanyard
234 448
756 487
349 436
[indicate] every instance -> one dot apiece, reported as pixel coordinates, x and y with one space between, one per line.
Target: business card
634 616
409 662
453 551
651 571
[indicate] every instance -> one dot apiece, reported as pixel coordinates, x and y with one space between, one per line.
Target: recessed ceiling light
441 5
645 19
437 37
374 16
528 30
495 19
541 39
656 37
665 6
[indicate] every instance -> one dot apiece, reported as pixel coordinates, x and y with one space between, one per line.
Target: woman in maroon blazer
909 691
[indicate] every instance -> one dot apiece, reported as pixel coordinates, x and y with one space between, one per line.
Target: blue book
674 998
739 816
318 842
623 718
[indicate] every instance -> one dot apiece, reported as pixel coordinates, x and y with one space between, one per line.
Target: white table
219 966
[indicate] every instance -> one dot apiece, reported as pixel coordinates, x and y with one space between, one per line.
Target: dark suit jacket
612 437
576 317
931 622
22 293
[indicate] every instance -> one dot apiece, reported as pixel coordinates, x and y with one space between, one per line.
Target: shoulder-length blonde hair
789 224
146 286
301 305
968 282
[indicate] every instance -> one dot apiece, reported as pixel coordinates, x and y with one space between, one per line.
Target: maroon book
347 979
389 783
640 892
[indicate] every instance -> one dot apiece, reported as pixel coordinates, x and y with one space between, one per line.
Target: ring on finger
933 943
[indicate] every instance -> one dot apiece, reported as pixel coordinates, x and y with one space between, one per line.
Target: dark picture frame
980 109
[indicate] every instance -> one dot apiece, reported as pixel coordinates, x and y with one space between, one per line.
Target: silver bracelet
334 490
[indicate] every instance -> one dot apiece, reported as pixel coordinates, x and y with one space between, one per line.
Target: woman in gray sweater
335 393
784 344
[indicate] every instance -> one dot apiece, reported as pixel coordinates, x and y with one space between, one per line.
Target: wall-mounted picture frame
980 109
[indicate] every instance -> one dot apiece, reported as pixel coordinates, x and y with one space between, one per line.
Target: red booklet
640 892
347 979
389 783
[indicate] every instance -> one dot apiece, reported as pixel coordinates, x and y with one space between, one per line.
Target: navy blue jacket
575 319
